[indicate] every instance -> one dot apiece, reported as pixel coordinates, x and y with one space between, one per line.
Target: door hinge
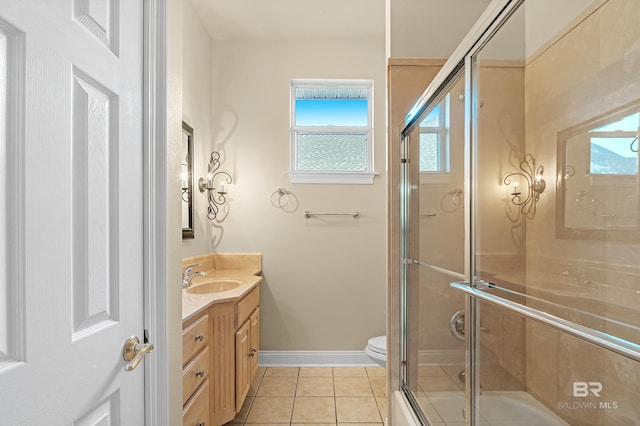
409 262
403 160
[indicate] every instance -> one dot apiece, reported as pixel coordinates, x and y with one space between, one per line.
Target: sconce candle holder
215 198
185 188
535 185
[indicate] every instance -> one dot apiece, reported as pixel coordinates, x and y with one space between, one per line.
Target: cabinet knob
201 424
200 337
200 373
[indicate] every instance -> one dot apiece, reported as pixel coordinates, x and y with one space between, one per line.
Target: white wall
325 279
430 29
434 28
197 112
545 18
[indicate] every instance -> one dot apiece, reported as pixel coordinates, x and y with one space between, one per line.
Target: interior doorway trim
155 212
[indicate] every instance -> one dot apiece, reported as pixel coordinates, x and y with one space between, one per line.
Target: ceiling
292 19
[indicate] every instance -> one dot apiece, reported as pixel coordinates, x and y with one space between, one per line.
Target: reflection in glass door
551 308
555 225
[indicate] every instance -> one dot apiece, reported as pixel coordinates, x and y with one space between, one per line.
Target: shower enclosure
520 223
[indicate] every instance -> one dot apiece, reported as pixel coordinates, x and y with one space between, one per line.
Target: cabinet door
243 347
254 338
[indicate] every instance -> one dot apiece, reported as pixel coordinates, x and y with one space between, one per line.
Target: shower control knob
456 325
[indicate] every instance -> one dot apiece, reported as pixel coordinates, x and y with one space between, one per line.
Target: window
614 147
331 132
434 144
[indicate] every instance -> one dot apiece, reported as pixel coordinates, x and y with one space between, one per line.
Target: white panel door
71 211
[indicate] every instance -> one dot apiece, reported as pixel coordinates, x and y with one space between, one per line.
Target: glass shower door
555 226
433 180
538 266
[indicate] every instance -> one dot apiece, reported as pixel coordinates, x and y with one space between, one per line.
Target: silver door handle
134 351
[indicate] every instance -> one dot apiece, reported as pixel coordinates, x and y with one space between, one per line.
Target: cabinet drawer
195 337
196 412
247 305
194 374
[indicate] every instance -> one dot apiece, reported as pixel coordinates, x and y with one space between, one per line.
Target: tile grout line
255 396
295 392
375 399
335 399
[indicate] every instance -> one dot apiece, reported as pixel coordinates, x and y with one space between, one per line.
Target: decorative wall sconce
185 187
216 198
535 185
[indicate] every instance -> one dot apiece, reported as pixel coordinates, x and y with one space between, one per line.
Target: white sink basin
217 286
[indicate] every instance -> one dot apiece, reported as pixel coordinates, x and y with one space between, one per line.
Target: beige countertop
192 304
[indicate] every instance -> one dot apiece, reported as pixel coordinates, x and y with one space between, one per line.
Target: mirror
598 180
187 181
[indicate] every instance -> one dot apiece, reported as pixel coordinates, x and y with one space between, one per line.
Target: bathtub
512 408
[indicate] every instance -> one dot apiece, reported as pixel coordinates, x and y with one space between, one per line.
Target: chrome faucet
187 276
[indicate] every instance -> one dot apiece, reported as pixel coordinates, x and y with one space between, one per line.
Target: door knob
134 351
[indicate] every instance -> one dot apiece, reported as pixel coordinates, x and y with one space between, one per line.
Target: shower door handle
620 346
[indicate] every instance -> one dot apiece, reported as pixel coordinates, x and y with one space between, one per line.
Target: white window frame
443 175
332 176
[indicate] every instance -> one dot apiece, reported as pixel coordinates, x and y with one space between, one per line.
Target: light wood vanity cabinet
247 344
195 371
243 348
196 410
220 354
254 336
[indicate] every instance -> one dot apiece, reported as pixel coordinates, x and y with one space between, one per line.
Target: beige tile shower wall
324 278
500 228
593 69
441 243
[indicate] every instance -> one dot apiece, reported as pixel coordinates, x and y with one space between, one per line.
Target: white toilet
377 350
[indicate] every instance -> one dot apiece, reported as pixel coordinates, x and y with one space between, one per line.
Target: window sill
354 178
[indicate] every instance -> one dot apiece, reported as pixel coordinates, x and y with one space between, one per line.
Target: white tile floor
318 396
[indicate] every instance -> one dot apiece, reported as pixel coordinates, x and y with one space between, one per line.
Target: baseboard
434 357
315 359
